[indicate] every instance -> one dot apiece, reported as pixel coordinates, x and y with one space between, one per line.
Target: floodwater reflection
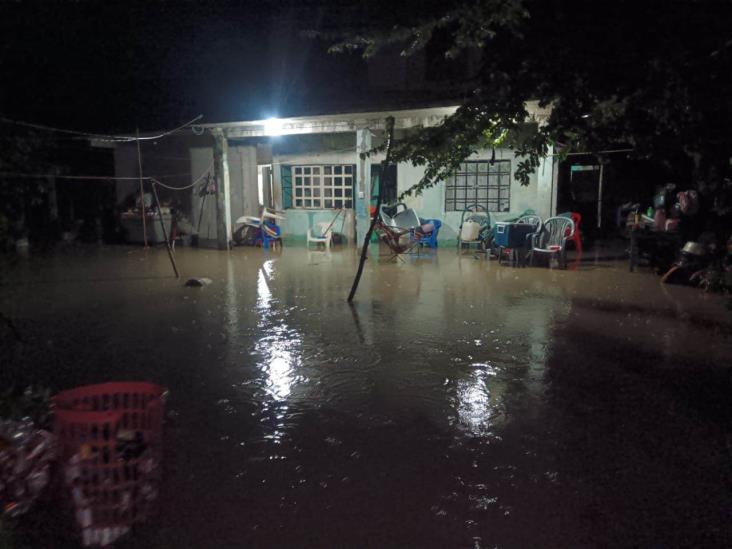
458 403
278 344
475 407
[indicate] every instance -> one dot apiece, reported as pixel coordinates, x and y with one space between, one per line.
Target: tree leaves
647 78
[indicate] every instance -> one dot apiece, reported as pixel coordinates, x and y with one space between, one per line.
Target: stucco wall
299 221
537 195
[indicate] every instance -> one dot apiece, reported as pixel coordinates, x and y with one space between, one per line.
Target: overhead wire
100 136
112 177
195 182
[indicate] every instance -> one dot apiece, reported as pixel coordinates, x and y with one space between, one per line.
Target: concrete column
223 191
363 183
555 182
546 188
250 191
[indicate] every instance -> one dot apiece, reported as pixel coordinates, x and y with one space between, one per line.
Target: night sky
104 66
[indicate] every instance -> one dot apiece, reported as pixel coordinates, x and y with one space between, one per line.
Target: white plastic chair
403 218
552 238
322 233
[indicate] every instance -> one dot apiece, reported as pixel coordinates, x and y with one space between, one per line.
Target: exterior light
273 127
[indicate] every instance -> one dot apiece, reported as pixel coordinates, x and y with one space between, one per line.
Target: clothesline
112 178
99 136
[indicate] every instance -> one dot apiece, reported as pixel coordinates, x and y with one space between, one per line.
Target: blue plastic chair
431 240
270 233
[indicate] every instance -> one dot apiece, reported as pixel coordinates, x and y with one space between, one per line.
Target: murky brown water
457 404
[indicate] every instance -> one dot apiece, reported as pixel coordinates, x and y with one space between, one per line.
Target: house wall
539 194
299 221
244 197
182 161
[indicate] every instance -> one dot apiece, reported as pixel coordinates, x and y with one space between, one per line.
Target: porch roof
349 122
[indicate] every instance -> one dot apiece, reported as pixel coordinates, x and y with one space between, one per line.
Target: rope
196 182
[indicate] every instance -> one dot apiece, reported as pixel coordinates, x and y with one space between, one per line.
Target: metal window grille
480 183
326 186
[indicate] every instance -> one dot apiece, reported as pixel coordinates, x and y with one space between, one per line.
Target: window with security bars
480 183
326 186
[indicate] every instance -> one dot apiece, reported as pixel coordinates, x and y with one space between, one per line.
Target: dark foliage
651 76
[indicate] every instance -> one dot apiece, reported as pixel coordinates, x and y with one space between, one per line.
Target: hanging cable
99 136
195 182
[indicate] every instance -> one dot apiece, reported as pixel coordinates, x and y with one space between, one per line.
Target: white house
309 167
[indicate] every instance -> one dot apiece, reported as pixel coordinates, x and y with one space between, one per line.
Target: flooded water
458 403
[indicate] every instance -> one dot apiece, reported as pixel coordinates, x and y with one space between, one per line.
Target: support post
362 193
142 189
599 196
221 173
165 231
555 187
367 238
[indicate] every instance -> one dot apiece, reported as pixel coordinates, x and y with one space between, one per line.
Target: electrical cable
99 136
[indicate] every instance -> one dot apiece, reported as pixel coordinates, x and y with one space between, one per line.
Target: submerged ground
459 403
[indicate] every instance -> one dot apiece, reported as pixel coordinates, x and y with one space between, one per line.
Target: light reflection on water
476 404
264 294
279 348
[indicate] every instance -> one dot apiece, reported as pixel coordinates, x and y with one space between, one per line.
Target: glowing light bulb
273 127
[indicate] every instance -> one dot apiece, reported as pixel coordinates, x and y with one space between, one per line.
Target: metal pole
142 190
165 232
599 197
367 238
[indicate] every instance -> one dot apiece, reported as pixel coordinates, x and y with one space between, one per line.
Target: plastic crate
109 442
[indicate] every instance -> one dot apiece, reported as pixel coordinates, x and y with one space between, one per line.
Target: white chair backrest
271 214
555 230
480 217
408 219
404 218
386 219
324 228
534 220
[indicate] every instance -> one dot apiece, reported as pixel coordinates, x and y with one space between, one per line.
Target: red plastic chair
577 238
